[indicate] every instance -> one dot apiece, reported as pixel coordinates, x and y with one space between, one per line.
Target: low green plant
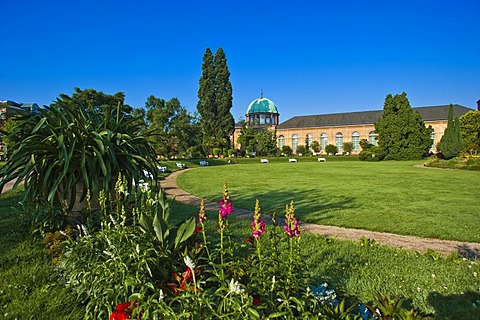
107 267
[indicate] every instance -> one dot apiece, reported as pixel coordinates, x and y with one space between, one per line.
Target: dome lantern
262 111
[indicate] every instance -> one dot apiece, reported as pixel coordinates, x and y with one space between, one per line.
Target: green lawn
389 196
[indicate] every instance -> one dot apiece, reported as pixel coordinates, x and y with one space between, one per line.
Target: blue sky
309 57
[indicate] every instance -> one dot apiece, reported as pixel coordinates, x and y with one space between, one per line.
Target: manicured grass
394 197
30 288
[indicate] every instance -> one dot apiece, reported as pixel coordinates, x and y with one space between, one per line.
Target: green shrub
301 149
331 149
216 152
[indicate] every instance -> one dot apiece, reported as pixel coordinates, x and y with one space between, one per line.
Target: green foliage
261 142
107 267
93 101
451 142
331 149
370 152
401 131
287 150
468 163
390 308
215 101
216 151
68 149
348 147
470 130
316 146
301 149
266 142
172 129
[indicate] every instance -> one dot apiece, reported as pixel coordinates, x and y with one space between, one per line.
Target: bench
203 163
292 160
264 160
322 160
181 165
162 169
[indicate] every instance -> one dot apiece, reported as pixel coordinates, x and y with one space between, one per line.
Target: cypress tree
451 141
206 101
215 101
223 97
401 131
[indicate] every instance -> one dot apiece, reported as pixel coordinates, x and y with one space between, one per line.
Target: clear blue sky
309 57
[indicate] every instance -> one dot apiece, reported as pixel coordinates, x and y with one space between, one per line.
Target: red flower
256 302
198 227
121 313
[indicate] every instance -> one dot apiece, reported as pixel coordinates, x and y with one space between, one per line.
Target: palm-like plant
65 148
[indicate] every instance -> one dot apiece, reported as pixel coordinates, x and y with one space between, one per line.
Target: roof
262 105
432 113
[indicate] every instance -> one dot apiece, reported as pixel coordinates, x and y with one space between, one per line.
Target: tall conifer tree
206 101
401 131
215 101
451 141
223 97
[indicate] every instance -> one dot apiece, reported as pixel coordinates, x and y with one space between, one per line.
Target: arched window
309 141
281 142
372 137
339 141
323 141
432 137
294 142
356 140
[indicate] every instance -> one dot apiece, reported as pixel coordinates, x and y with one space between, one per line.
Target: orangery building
335 128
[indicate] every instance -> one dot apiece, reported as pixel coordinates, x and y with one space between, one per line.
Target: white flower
475 274
433 275
235 287
162 296
189 262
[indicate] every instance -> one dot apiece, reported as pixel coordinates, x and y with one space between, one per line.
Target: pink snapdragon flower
226 205
258 226
292 227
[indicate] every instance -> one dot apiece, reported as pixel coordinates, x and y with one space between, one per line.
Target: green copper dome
261 105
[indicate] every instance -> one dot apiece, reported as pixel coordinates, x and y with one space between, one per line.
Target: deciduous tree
470 130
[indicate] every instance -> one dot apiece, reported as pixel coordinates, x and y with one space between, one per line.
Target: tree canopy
173 130
451 142
93 100
401 131
470 130
215 101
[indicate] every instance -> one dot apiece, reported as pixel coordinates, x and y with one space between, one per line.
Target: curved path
465 249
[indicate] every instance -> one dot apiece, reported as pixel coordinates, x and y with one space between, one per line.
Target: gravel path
466 249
